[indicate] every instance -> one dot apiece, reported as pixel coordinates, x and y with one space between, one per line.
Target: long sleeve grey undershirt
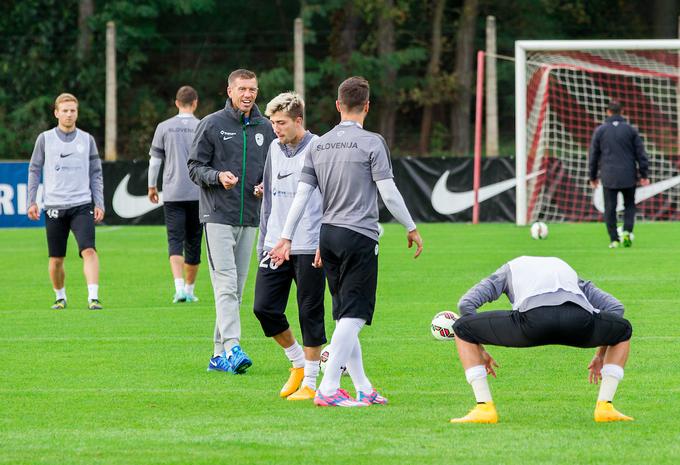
266 208
154 170
297 209
395 203
38 161
492 287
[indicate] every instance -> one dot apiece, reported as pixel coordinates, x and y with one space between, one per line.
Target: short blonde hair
65 98
288 102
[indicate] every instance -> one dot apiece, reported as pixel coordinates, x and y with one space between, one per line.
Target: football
539 230
442 325
325 353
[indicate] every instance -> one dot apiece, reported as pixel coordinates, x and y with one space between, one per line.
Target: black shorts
184 230
350 261
566 324
58 223
272 287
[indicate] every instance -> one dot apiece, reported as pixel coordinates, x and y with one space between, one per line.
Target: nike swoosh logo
227 138
641 193
64 155
127 205
446 202
278 176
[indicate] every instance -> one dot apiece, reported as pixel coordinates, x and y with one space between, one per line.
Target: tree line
418 55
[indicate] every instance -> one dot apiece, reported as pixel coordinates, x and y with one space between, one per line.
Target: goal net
564 88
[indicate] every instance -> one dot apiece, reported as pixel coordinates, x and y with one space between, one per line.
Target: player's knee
89 252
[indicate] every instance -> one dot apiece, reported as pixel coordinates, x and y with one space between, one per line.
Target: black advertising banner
434 189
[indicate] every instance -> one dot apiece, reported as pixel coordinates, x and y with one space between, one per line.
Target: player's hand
153 194
644 181
281 252
414 236
594 183
258 190
489 363
227 179
317 263
595 369
34 212
98 215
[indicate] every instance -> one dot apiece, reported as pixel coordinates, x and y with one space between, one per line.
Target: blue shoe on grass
238 360
220 363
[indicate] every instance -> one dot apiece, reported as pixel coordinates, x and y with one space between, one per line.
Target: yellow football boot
293 383
605 411
482 413
304 393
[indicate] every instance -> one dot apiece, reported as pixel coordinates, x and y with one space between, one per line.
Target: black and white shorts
185 231
272 287
58 223
350 261
566 324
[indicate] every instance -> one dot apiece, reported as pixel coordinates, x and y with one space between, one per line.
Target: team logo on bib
259 138
80 148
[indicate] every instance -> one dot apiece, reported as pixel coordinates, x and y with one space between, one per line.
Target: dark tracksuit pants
610 200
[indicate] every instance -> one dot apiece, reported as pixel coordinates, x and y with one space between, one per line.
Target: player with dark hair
171 144
551 305
68 159
282 171
226 161
349 165
617 152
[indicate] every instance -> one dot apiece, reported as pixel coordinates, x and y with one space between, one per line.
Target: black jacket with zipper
224 142
617 152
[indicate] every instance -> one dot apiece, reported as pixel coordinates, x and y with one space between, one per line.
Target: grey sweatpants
229 249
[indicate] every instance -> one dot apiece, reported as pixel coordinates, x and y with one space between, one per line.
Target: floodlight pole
110 131
476 179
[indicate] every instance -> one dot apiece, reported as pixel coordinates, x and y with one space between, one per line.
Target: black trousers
610 200
566 324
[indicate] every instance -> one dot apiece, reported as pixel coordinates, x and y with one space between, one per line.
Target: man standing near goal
551 305
618 153
349 165
226 161
68 159
282 170
171 143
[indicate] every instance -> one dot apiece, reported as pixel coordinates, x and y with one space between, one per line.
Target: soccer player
349 165
617 151
226 161
171 143
551 305
68 159
282 170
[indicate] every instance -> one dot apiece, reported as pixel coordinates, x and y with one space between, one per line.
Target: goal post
562 88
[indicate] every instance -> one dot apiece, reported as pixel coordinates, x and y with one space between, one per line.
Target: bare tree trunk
346 23
460 112
85 10
432 72
388 104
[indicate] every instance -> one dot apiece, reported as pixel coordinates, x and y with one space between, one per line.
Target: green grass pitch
128 385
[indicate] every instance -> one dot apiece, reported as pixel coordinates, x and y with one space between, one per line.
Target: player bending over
551 305
282 170
349 165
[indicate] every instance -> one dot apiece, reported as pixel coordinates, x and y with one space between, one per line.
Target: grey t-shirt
345 164
171 143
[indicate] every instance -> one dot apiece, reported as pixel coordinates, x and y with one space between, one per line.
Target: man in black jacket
617 151
227 161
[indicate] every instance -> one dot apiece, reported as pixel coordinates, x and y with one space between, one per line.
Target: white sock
311 373
60 293
179 285
476 376
92 291
296 355
611 375
355 368
189 289
344 339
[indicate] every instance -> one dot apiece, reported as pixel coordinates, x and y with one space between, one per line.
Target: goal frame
521 49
